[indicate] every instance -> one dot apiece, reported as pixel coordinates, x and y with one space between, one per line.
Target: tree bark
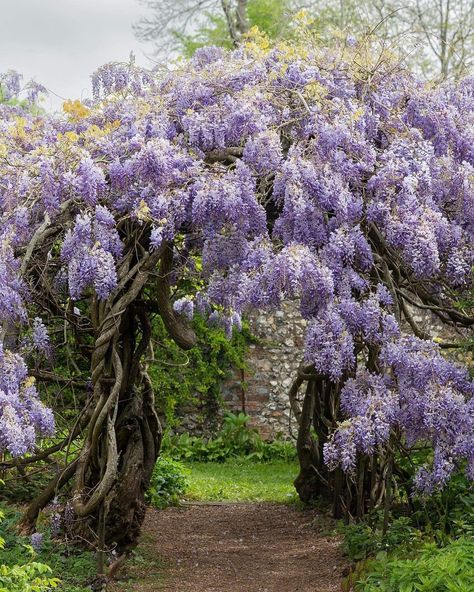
122 432
308 483
350 495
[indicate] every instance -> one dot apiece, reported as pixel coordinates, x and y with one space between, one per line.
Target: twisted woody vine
265 173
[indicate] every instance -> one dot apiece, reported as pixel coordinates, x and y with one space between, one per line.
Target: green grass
241 481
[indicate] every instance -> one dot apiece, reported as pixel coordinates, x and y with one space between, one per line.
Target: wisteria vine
264 173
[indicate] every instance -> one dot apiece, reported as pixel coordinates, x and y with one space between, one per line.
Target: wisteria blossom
272 173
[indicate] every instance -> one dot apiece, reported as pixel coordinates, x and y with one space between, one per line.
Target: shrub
432 569
24 568
430 551
29 577
362 541
235 440
449 512
25 576
168 482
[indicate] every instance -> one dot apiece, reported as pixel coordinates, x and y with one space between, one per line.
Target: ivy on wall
181 379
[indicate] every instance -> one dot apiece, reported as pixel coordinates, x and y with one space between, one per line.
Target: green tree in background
267 15
186 25
434 38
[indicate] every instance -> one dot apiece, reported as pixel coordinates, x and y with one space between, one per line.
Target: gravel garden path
245 547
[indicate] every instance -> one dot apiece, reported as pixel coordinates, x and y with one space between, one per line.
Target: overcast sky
59 43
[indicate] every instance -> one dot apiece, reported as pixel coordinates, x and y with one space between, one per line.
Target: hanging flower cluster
293 173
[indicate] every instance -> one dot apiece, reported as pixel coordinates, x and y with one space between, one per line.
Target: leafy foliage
169 481
417 552
185 378
29 577
362 540
25 574
430 569
25 569
447 513
270 16
234 440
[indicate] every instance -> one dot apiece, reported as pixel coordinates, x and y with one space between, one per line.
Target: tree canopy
326 175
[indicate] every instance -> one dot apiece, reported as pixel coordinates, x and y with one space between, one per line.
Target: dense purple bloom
330 345
185 307
273 175
40 337
372 406
12 288
263 152
22 415
204 56
228 200
90 249
120 78
51 189
90 181
105 231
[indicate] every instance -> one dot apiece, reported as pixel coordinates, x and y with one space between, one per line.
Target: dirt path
236 548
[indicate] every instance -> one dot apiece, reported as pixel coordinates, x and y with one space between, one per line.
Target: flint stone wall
261 391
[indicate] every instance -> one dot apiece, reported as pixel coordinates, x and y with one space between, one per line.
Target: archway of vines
262 174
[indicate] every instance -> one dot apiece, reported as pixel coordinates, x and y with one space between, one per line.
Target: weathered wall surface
262 390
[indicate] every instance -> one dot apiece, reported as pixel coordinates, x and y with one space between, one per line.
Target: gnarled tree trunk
122 432
351 496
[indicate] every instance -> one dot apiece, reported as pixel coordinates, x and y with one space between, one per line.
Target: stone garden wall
261 391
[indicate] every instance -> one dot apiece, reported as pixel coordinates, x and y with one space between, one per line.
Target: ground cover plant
41 562
169 482
423 547
330 176
428 568
241 481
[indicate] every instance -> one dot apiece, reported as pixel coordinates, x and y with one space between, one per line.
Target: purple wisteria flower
40 338
37 541
185 307
273 175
